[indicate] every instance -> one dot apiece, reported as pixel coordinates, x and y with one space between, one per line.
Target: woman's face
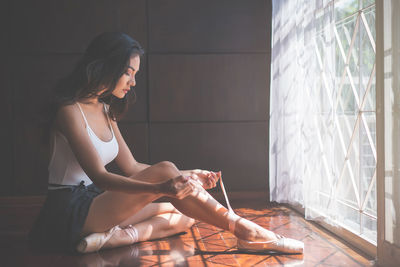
128 78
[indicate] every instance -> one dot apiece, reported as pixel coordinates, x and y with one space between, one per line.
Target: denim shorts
61 219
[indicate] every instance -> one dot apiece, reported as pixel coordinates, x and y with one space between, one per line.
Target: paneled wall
202 92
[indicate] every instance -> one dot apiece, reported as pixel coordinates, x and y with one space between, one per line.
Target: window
353 175
323 113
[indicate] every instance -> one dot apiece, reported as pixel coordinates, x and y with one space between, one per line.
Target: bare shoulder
66 113
68 116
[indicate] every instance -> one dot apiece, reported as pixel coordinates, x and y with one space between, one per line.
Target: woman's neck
94 100
92 103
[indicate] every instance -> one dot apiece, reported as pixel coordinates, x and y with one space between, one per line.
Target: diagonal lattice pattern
351 115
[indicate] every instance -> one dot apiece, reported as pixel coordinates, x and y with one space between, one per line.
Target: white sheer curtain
388 97
322 118
392 121
301 126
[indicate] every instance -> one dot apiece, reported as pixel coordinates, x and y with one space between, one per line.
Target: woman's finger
214 177
185 191
196 181
181 179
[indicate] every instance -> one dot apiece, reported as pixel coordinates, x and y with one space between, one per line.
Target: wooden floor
203 245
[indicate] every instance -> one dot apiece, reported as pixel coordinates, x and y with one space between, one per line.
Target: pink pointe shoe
280 245
96 241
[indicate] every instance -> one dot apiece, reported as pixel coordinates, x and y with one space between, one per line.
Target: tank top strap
108 118
83 114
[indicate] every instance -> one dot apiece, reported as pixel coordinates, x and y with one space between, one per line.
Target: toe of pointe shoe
282 245
94 242
91 243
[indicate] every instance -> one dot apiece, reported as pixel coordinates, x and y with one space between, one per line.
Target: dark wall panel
136 136
219 87
6 107
33 78
208 25
132 19
60 26
5 17
69 25
7 129
30 161
239 150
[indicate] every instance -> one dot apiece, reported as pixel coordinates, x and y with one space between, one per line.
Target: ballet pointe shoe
281 245
96 241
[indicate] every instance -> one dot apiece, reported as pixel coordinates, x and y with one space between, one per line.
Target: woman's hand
178 187
208 179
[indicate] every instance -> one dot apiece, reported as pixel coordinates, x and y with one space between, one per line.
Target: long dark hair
103 63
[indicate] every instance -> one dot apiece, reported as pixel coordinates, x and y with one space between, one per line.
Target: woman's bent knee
164 171
165 165
159 172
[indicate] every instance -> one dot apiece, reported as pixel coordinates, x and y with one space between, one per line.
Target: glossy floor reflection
204 245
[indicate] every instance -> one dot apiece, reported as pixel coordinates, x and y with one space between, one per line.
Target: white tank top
64 169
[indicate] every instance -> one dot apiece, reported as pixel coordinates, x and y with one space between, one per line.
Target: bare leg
212 212
149 211
163 225
202 206
157 220
159 226
112 208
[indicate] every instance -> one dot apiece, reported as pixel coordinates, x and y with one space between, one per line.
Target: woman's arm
70 123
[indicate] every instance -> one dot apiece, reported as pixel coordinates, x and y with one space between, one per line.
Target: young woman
88 208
